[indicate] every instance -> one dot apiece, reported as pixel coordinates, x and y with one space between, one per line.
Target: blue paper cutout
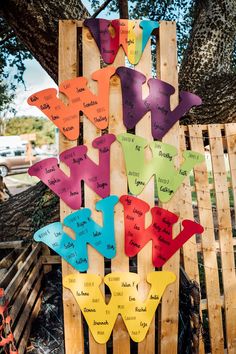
86 232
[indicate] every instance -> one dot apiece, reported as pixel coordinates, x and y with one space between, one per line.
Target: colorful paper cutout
159 231
125 300
81 99
68 188
157 102
132 35
139 171
74 251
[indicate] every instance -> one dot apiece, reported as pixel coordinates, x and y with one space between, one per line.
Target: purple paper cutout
107 44
68 188
158 102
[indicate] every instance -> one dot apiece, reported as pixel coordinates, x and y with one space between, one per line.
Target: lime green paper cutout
125 300
139 170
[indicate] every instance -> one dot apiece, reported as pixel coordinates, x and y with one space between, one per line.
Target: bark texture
27 212
207 66
35 23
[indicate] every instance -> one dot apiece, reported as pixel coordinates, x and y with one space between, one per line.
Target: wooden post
68 69
167 51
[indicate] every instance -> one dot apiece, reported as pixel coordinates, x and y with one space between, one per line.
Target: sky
36 79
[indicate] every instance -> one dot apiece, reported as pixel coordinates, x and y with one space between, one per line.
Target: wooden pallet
210 258
21 278
70 34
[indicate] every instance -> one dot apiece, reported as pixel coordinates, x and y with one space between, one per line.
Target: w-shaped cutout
74 251
68 188
139 171
157 102
130 34
81 99
125 300
159 232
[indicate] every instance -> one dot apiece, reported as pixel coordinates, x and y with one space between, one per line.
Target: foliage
180 11
12 67
44 129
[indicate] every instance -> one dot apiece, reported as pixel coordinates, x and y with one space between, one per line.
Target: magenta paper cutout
68 188
158 102
159 232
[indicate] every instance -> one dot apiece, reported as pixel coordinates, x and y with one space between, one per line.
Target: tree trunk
123 9
26 212
35 23
207 66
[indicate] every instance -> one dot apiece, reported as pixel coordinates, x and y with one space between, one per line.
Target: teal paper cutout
148 27
139 171
86 232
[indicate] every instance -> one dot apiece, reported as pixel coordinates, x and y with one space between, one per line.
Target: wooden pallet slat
121 339
91 63
27 310
190 248
230 132
168 72
144 259
26 333
68 69
225 234
208 244
25 290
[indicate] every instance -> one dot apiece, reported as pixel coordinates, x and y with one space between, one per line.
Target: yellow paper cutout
125 300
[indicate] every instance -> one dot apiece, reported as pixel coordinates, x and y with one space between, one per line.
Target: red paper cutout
159 232
66 117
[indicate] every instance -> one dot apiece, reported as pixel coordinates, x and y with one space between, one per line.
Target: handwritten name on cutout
157 102
74 251
96 108
67 116
82 168
159 231
125 300
139 171
132 35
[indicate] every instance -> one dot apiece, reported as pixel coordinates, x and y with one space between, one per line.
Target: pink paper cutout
159 232
68 188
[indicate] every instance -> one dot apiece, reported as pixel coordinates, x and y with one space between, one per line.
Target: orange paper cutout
66 117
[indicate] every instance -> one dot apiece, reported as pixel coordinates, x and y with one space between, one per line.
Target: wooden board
225 234
168 72
68 69
144 259
190 248
230 132
121 339
91 63
208 244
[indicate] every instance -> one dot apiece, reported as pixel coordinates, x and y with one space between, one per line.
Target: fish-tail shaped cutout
68 188
80 99
157 102
139 171
125 300
74 251
159 231
132 35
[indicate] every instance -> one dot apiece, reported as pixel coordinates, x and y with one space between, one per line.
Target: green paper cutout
139 171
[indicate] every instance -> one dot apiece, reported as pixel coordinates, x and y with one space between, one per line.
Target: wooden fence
210 197
208 259
21 274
